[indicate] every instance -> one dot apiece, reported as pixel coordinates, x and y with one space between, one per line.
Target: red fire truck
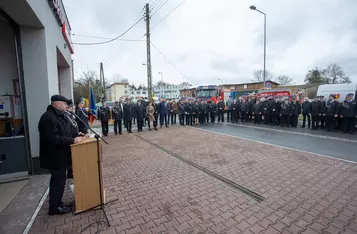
210 93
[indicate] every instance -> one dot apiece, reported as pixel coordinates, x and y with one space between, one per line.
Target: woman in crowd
150 111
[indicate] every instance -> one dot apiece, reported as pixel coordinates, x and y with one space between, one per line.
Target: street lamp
265 38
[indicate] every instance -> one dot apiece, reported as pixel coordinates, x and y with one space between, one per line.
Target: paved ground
159 192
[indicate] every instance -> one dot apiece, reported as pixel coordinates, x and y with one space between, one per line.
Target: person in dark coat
295 112
285 112
276 112
213 110
163 111
323 112
331 113
315 113
55 151
234 111
104 116
220 110
128 115
257 111
306 112
250 110
145 105
170 109
349 114
140 114
188 113
117 115
243 111
82 114
181 112
206 112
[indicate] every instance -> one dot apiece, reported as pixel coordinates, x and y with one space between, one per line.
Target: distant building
168 91
189 92
251 86
137 93
118 90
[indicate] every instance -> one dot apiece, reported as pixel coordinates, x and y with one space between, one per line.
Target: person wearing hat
349 114
117 115
212 109
55 151
331 113
285 113
220 109
323 112
315 113
80 111
128 115
104 116
306 111
181 112
229 103
257 111
295 111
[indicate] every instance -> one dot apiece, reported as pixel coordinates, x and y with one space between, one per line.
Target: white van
340 90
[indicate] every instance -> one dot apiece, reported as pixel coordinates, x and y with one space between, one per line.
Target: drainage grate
244 190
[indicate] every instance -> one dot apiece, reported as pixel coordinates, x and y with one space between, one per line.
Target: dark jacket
235 107
117 113
285 109
257 108
84 117
55 139
205 108
277 107
295 108
315 108
128 111
181 108
71 119
140 112
322 107
306 107
243 107
220 106
332 108
188 108
104 113
250 106
349 109
163 108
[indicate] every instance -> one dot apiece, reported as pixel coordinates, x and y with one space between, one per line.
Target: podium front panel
86 175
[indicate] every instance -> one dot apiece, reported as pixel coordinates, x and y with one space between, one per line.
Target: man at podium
55 151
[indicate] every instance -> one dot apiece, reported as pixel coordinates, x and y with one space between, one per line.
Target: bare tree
258 75
314 76
334 74
283 80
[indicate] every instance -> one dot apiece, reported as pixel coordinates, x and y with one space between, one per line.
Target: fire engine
210 93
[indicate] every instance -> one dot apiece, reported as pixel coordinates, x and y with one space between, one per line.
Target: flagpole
89 86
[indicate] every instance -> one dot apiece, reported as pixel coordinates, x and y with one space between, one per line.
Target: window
131 92
125 86
144 92
205 93
126 91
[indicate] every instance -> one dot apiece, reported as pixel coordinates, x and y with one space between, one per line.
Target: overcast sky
210 39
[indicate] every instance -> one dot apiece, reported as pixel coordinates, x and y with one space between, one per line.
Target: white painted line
283 147
38 208
291 132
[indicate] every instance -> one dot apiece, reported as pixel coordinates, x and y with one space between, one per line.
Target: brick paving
160 194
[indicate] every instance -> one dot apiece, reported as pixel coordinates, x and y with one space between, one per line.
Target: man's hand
80 134
78 139
336 116
341 116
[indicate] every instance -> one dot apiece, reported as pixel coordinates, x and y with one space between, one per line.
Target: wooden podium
86 174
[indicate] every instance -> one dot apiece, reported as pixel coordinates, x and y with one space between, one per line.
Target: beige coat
150 111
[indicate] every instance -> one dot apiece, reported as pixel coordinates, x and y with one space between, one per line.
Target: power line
168 14
169 61
96 37
154 4
113 39
160 8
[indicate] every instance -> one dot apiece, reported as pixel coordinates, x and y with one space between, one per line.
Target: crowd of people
331 115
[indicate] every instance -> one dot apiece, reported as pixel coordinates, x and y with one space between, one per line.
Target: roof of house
120 83
257 82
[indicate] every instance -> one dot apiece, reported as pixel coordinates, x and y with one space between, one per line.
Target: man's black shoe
60 211
66 204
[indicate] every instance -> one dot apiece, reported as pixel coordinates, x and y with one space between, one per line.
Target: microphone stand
102 204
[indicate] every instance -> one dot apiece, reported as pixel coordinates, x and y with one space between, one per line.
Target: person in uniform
243 110
285 112
117 115
188 112
220 110
229 103
315 113
266 114
201 112
306 112
196 112
276 112
250 110
104 116
55 151
331 113
181 112
150 111
213 111
295 112
349 114
323 112
206 112
234 111
140 114
128 115
257 111
170 109
82 114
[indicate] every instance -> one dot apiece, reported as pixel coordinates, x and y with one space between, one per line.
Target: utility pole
148 54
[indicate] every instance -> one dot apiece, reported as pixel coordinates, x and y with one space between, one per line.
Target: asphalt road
336 146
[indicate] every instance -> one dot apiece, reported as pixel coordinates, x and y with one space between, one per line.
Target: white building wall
8 66
39 49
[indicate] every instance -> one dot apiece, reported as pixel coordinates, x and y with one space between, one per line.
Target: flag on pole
92 106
